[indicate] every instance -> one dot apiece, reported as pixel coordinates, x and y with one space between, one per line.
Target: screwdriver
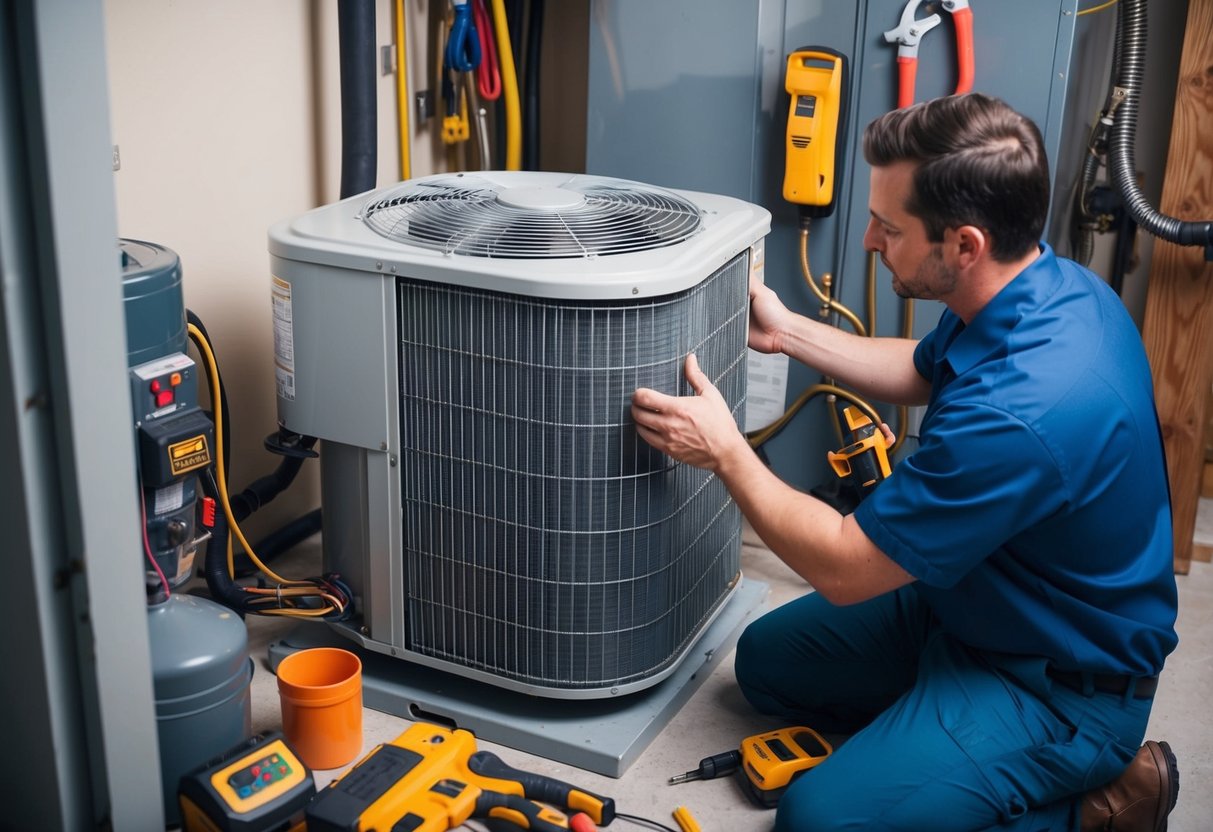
717 765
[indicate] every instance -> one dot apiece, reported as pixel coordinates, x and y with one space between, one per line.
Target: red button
256 770
164 397
266 777
156 386
282 769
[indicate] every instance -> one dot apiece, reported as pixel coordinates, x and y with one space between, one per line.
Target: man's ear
970 243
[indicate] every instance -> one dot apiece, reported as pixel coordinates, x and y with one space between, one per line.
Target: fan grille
579 217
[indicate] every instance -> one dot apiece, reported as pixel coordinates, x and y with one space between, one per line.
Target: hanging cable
1098 8
509 82
291 595
488 74
147 547
402 91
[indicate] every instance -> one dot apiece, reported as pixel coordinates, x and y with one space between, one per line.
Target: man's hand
769 318
698 430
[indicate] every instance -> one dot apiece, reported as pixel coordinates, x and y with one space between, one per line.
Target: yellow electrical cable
402 90
1098 8
509 87
871 292
212 369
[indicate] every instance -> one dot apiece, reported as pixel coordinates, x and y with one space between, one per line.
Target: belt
1089 683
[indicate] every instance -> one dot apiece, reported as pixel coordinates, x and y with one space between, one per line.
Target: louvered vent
558 216
545 542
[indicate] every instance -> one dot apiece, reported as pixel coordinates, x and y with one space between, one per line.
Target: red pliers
910 31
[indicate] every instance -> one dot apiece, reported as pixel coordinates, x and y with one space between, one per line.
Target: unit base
600 735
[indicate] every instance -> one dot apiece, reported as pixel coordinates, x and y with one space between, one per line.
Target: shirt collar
990 328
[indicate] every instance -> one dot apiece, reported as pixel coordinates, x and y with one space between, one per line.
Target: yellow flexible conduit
402 90
509 89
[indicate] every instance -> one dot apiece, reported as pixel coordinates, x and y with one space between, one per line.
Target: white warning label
284 339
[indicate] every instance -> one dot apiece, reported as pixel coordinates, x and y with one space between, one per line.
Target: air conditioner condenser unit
465 346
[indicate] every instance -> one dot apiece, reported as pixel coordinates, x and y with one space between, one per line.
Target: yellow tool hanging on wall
816 81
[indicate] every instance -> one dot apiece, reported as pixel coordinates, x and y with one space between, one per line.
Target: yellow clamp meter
816 81
257 786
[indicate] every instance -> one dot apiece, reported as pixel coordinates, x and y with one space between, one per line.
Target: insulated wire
509 83
1098 8
147 545
402 90
212 369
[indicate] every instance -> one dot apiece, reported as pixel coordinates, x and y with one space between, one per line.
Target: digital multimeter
816 82
258 786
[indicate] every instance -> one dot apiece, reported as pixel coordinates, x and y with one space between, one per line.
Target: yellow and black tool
767 763
866 460
258 786
771 761
816 81
432 778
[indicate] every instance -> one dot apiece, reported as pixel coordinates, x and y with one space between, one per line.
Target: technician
991 621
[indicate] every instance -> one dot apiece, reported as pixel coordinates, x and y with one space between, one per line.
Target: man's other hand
698 430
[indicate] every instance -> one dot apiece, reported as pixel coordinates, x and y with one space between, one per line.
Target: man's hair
978 163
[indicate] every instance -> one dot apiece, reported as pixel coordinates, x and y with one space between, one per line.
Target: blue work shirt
1035 514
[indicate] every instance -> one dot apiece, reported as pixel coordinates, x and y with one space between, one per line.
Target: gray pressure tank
201 672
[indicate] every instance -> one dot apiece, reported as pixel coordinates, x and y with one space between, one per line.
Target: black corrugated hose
1132 34
530 127
359 153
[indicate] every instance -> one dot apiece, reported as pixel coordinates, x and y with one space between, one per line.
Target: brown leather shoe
1139 799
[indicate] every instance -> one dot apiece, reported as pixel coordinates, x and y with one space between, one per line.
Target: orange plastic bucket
321 694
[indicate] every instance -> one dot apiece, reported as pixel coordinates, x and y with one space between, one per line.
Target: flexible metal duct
1132 36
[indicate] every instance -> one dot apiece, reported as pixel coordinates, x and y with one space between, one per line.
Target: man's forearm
880 368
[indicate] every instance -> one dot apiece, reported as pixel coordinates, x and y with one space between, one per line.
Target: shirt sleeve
980 477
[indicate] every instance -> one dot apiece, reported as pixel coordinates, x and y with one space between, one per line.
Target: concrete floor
716 717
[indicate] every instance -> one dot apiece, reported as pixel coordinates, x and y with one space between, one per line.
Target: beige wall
227 118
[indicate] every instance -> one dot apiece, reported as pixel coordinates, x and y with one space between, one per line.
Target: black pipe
359 153
530 126
266 488
1132 35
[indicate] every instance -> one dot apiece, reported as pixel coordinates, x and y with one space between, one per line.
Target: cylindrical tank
154 302
201 674
201 669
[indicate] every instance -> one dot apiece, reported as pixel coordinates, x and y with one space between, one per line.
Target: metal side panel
334 352
360 493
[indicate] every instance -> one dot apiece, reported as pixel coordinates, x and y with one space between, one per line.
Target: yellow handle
686 822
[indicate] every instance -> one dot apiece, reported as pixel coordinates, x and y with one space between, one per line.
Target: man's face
917 264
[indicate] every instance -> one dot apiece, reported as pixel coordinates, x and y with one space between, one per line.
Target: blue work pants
944 736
